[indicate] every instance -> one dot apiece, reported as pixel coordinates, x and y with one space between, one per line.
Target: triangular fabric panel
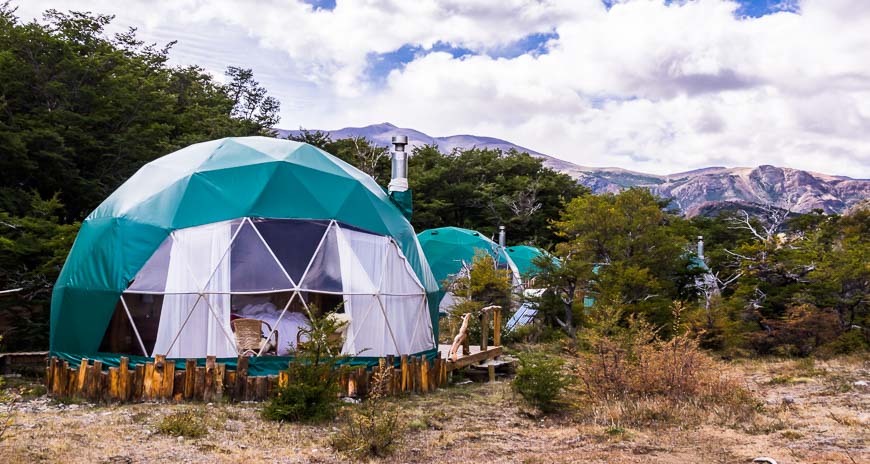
293 241
324 273
251 266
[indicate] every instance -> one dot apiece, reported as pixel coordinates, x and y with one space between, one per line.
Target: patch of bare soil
808 413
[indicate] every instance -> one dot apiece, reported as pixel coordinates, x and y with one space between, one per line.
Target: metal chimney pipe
501 236
701 247
399 158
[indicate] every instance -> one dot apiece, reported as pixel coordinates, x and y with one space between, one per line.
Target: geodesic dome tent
449 249
524 257
250 227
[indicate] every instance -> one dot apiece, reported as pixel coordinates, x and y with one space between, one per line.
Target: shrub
312 393
188 423
641 372
804 329
310 396
540 380
373 429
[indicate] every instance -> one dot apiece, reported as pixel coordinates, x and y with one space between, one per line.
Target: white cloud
642 85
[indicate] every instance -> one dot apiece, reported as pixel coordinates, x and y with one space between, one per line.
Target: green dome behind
205 183
524 257
446 248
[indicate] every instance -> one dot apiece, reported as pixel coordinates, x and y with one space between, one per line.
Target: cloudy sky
657 86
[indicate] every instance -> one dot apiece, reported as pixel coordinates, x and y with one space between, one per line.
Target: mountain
700 191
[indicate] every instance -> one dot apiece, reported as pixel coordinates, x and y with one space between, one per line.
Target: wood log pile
159 380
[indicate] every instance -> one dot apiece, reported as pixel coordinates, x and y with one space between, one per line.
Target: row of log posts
161 381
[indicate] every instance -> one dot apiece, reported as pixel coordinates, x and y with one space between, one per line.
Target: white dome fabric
198 270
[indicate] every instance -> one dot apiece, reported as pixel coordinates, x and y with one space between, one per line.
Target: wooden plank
490 353
124 379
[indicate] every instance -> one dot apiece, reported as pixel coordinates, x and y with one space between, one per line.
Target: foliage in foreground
540 380
374 428
632 374
312 393
188 423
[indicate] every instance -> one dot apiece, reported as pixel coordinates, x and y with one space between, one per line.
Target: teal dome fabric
524 257
446 248
204 183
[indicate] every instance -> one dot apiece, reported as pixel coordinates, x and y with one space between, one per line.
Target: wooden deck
476 355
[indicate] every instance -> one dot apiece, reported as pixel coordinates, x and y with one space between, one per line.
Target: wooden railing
161 381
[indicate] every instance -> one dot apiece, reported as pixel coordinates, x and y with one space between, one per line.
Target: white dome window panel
268 269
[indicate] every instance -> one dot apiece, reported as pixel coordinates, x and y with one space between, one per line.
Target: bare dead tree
368 155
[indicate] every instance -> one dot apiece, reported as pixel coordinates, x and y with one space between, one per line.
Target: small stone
787 400
861 383
180 439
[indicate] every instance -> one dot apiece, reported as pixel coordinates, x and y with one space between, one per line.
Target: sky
657 86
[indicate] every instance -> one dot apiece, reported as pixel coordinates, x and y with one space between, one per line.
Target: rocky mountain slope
695 192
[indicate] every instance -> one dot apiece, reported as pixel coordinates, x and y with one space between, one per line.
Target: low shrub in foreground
372 429
312 394
540 380
189 423
634 374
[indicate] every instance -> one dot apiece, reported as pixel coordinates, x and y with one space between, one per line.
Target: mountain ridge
694 191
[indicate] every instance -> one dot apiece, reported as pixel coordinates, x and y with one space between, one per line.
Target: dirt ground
808 413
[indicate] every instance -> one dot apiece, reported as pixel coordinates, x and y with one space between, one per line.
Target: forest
82 110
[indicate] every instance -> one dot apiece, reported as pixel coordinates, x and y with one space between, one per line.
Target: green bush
312 394
374 428
188 423
540 380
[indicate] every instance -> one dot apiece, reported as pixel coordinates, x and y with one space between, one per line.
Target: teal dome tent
524 257
250 227
448 249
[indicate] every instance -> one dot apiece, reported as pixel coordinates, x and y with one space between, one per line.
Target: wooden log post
138 392
124 379
484 330
241 379
189 379
114 384
496 326
403 369
168 380
491 371
208 383
82 378
147 381
199 384
220 370
178 386
424 374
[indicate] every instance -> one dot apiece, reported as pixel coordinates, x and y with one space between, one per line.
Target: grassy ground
808 412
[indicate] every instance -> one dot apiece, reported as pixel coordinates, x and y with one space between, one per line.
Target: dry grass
483 423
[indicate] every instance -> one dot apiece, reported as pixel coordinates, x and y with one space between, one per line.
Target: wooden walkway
476 355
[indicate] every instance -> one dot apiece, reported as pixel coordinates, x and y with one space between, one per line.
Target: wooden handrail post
484 330
496 327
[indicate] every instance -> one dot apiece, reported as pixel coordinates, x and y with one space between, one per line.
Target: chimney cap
400 139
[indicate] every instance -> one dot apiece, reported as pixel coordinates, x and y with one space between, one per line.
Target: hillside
694 192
